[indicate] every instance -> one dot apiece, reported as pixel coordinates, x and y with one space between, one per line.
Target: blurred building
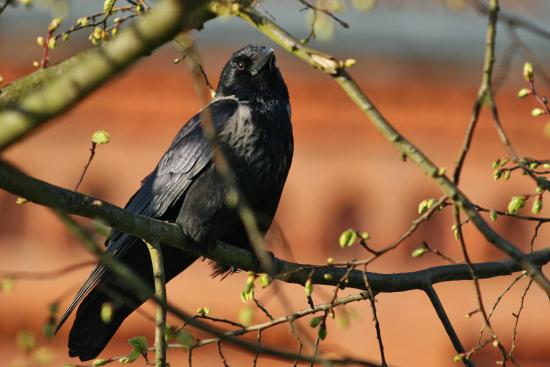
420 64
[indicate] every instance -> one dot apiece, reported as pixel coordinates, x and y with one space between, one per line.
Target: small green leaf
185 339
308 288
106 312
264 279
322 332
52 43
108 6
54 24
130 358
101 137
537 205
203 311
248 292
536 112
139 343
497 174
419 252
347 238
82 22
327 276
48 329
524 92
53 308
99 362
458 358
515 204
493 215
246 316
20 201
506 174
25 340
314 322
425 205
364 235
456 232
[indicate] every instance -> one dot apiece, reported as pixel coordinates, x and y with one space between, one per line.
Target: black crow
251 116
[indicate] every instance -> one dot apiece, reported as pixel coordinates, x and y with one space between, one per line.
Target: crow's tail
90 332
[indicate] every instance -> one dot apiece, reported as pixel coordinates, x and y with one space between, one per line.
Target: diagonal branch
152 230
152 30
336 69
436 303
512 19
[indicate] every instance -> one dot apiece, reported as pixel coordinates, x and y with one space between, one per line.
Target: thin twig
336 68
375 317
157 263
92 154
324 11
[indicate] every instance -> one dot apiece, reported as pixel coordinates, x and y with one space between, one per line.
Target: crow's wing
186 157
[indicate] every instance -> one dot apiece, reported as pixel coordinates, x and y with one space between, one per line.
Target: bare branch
336 68
153 230
152 30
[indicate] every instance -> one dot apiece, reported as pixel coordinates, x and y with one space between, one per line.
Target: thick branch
91 70
154 231
335 68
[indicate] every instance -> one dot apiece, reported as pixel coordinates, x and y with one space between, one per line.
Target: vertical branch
436 303
160 291
485 92
375 317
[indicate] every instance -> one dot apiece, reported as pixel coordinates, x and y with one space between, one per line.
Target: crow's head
252 73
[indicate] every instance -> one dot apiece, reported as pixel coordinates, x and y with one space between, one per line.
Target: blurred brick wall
343 175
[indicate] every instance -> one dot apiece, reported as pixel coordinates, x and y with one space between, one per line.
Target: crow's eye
241 66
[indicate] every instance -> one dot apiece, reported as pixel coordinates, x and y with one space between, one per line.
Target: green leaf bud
524 92
537 205
347 238
515 204
536 112
101 137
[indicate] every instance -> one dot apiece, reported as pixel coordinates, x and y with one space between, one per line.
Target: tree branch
436 303
138 286
157 263
336 69
152 230
96 67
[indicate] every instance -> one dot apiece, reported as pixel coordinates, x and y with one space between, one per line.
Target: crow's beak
261 60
